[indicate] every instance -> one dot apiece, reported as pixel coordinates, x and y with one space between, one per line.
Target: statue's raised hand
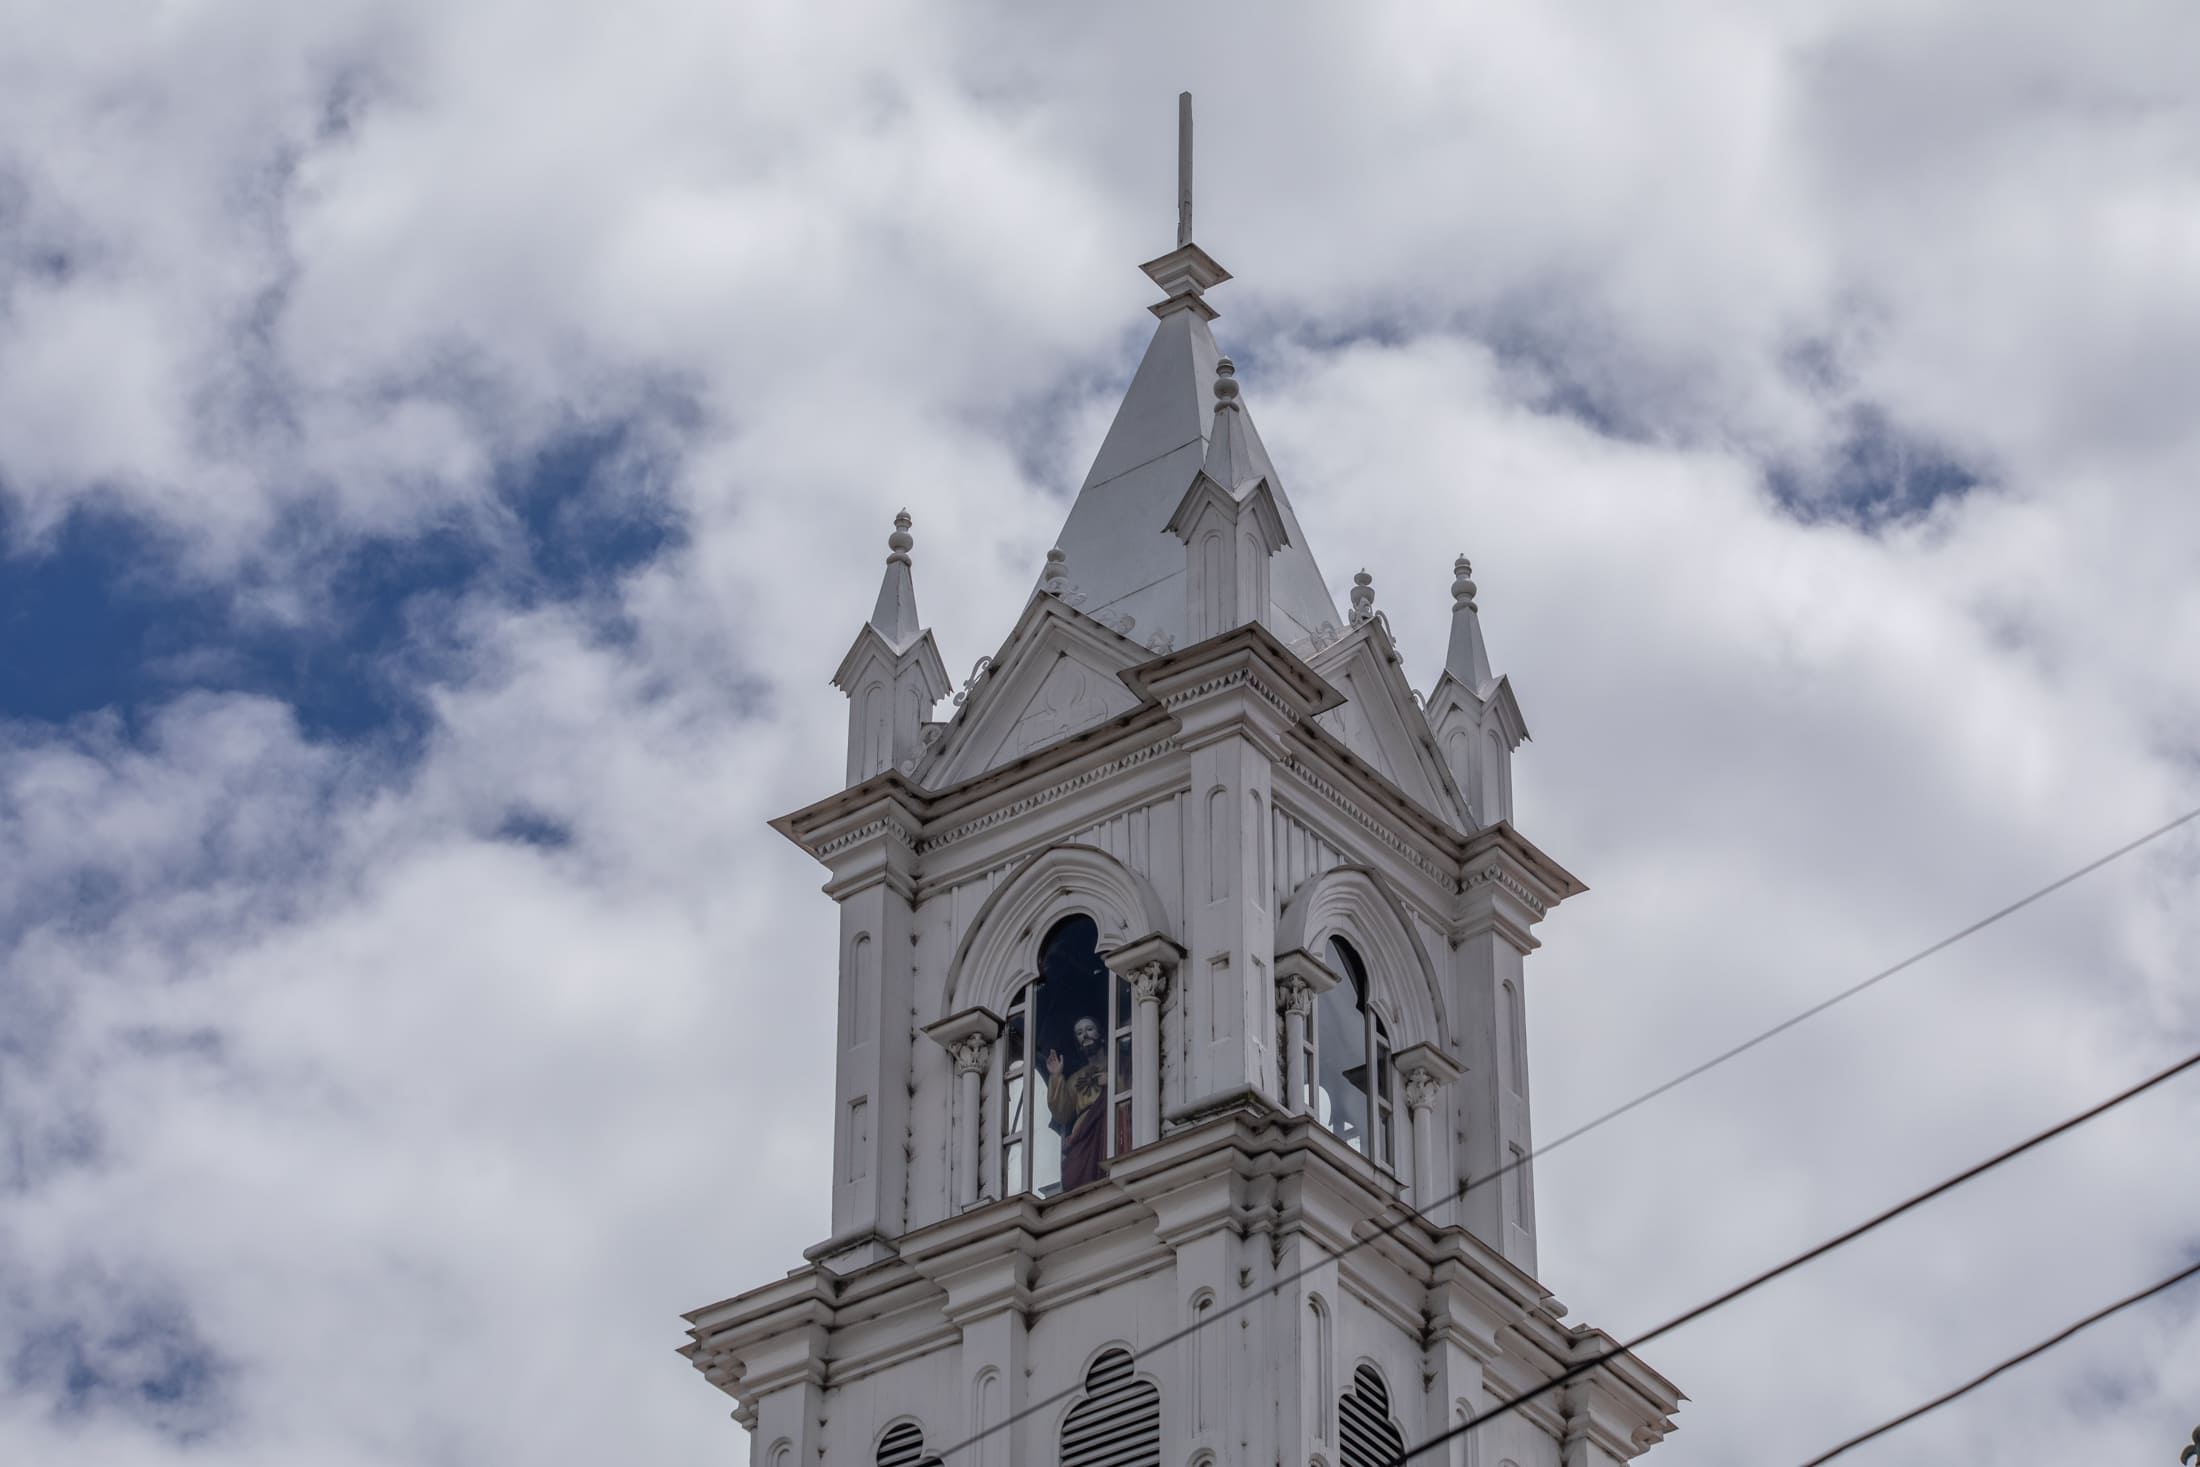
1054 1064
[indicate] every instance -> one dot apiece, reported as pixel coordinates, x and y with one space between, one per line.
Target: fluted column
1149 983
968 1039
1421 1091
971 1055
1427 1070
1295 999
1145 965
1299 977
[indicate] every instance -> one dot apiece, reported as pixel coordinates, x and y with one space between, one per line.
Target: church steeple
1171 968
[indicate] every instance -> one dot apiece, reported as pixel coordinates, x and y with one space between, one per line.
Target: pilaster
871 852
1507 887
1234 696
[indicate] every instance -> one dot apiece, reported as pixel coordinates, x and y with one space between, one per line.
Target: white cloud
429 1134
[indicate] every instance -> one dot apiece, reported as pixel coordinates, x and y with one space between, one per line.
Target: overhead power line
1915 1200
1411 1214
2011 1363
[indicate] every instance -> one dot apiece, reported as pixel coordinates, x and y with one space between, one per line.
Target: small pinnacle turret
892 673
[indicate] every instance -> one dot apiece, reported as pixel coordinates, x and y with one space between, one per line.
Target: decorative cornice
1377 828
1038 798
1247 677
1497 875
870 829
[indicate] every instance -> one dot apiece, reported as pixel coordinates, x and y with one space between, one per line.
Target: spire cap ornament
1226 384
1363 597
1462 585
1186 271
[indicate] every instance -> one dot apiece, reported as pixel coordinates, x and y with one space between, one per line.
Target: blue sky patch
102 617
145 1361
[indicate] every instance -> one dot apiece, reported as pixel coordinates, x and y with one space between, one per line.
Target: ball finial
1462 585
1055 578
1226 385
1363 597
901 540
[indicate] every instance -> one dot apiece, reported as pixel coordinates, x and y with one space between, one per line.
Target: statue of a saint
1077 1104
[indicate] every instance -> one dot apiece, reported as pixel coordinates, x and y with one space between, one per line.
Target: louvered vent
1118 1423
903 1446
1368 1435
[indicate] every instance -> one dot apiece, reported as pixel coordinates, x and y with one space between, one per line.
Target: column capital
1299 976
967 1037
1427 1070
1151 953
1149 982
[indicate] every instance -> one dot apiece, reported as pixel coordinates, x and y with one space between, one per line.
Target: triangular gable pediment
1058 674
1495 697
1382 723
871 648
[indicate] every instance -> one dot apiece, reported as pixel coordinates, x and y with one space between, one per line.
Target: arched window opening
1351 1069
1065 1067
903 1446
1364 1429
1118 1423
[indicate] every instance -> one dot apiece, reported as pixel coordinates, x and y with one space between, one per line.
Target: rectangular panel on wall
863 983
1167 848
858 1164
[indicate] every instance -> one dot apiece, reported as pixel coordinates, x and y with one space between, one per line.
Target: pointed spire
1466 659
895 615
1171 426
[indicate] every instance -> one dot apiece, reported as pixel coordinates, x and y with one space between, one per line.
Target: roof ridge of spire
1230 461
1466 657
894 616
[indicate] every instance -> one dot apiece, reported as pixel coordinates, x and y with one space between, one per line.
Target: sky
446 446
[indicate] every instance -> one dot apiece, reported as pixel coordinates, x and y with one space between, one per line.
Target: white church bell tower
1181 996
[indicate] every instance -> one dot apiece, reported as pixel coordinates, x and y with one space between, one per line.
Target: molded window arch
1065 1071
1353 1093
1357 903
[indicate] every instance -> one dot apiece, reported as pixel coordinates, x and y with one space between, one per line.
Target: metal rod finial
1183 169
